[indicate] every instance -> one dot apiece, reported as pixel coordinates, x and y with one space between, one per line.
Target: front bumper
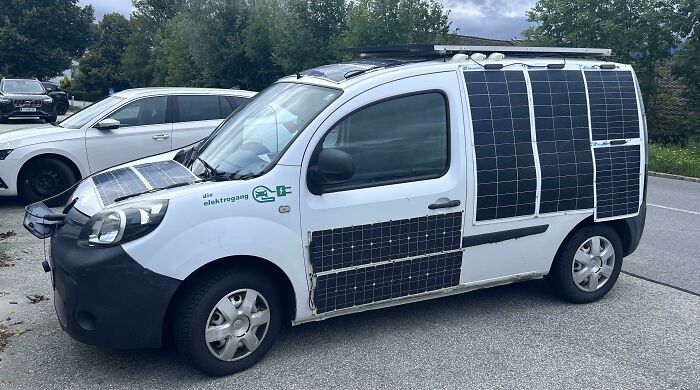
104 297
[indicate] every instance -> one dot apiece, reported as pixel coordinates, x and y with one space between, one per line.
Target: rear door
196 116
145 130
394 229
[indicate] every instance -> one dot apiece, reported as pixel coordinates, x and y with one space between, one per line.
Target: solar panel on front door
613 102
352 246
563 140
617 180
506 173
386 281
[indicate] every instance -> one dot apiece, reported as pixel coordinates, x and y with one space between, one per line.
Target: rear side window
396 140
148 111
199 108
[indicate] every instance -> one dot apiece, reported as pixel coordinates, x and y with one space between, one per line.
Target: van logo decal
262 194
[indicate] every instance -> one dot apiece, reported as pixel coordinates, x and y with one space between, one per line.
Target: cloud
489 18
102 7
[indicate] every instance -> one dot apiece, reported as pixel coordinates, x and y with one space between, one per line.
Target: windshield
252 138
32 87
80 118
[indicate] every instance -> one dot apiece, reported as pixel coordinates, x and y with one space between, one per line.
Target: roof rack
426 49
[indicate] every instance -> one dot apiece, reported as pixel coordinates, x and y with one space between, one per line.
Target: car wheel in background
227 322
51 119
61 107
3 119
588 264
43 178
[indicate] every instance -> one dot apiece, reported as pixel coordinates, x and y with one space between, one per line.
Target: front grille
26 103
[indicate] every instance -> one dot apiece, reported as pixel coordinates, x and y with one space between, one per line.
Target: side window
400 139
237 101
226 108
198 108
148 111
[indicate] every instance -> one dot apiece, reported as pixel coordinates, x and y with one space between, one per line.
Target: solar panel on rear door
563 140
615 116
506 173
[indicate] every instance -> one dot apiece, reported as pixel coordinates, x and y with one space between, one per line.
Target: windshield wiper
213 172
119 199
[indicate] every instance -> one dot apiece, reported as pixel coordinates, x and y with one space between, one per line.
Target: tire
44 178
61 107
576 265
51 119
3 119
198 310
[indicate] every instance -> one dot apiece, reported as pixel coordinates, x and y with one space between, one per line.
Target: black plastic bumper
102 296
635 227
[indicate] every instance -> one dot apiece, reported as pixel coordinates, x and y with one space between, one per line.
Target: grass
675 159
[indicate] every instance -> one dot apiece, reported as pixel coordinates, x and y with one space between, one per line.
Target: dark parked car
25 98
60 97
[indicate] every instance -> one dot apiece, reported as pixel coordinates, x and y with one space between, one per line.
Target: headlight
4 153
124 223
48 99
4 100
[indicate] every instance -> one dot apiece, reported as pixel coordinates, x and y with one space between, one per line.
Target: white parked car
354 187
37 163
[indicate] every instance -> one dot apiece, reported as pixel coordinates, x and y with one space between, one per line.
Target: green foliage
64 83
674 159
101 68
39 38
380 22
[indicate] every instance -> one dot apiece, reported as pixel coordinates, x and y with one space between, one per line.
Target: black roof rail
442 50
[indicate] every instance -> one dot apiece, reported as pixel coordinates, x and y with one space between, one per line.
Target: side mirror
333 166
107 124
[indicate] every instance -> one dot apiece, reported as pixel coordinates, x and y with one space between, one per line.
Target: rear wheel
45 178
588 266
226 323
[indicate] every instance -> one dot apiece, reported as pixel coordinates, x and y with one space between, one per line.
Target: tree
101 68
173 63
261 36
381 22
137 58
39 38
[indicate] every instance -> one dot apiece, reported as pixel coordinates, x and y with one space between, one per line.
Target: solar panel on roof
506 173
563 140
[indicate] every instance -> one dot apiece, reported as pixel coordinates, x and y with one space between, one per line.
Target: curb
675 177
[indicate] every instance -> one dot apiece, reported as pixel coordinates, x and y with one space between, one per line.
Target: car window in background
80 118
22 86
148 111
198 108
237 101
226 107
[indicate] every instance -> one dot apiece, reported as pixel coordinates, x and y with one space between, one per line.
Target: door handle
445 205
160 137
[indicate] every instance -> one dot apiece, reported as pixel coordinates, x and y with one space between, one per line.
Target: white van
358 186
40 162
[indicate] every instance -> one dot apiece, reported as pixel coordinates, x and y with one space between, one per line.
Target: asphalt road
641 335
14 123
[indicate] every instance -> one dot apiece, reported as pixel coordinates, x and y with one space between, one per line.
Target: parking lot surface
16 124
641 335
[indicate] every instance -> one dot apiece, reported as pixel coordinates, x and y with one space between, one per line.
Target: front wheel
51 119
61 107
227 322
588 265
44 178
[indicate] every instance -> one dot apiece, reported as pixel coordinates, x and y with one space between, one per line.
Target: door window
401 139
148 111
199 108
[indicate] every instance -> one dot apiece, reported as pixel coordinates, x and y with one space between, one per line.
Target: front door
394 229
144 130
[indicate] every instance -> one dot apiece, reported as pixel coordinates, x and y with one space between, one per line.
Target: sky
503 19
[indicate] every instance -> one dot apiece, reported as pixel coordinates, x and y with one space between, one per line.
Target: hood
141 177
26 96
16 138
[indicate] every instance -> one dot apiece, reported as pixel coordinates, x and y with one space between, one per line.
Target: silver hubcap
593 264
237 325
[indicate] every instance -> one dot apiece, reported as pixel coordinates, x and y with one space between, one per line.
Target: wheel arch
73 166
260 264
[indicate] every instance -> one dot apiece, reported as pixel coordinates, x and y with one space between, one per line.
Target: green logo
262 194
